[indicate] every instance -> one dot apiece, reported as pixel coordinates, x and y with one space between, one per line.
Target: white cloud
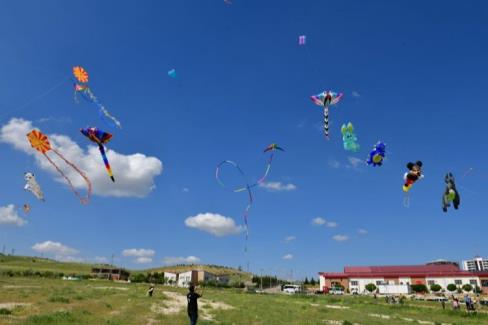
181 260
355 162
101 259
288 257
134 174
362 231
331 224
355 94
186 189
143 260
55 248
138 252
278 186
290 239
340 238
64 258
334 164
10 216
214 224
318 221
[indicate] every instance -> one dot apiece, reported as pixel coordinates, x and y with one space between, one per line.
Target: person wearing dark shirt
192 298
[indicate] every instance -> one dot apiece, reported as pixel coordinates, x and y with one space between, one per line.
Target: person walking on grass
150 291
192 298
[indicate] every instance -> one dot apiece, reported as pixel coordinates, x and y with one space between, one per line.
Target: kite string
83 200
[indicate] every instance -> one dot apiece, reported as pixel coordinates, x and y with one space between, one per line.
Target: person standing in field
192 298
150 291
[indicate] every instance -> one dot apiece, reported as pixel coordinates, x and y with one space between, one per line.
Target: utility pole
13 251
261 279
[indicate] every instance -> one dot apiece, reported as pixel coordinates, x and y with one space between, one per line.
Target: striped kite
100 137
326 99
40 142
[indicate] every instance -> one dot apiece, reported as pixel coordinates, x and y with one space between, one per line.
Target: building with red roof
443 273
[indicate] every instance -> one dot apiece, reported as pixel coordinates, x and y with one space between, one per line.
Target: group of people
192 299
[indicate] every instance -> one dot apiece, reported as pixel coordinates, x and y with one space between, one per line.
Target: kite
40 142
32 186
349 138
377 155
80 74
248 187
100 137
450 194
302 39
172 73
413 175
82 77
326 99
26 208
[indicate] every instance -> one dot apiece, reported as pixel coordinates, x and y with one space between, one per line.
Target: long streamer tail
105 161
83 200
326 121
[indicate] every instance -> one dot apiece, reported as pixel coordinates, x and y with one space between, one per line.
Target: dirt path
176 302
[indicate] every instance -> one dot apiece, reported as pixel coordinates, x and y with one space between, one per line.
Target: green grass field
54 301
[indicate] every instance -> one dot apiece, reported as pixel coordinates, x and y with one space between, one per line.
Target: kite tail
83 200
406 200
268 169
105 161
326 121
102 111
245 216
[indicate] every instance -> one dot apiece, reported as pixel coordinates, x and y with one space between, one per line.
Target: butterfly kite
100 137
81 87
269 149
326 99
40 142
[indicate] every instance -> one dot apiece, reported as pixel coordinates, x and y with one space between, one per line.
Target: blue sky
413 74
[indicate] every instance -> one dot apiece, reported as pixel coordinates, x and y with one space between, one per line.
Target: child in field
150 291
192 298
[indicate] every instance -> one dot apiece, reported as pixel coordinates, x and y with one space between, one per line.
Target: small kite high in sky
377 155
451 194
269 149
414 174
80 86
100 137
349 138
302 39
40 142
326 99
32 186
26 207
172 73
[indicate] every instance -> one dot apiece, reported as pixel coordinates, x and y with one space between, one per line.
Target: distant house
109 273
171 278
196 276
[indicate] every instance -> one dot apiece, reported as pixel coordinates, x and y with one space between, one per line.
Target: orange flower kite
80 74
40 142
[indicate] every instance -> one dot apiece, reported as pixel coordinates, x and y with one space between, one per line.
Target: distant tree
467 287
477 290
312 281
370 287
451 287
306 281
435 287
419 288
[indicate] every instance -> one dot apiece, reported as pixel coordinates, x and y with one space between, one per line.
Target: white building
171 278
477 264
197 276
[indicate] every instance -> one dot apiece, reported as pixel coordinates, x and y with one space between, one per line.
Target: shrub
138 278
451 287
59 299
370 287
5 311
467 287
419 288
435 288
477 290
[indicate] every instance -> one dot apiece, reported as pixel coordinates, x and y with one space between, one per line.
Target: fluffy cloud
9 216
355 162
340 238
288 257
322 222
318 221
214 224
143 260
334 164
134 173
54 248
355 94
277 186
138 252
290 239
101 259
362 231
181 260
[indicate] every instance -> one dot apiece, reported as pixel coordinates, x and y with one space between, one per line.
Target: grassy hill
21 263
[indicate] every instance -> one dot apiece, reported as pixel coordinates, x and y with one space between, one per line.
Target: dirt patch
20 287
108 288
330 306
380 316
176 302
12 305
